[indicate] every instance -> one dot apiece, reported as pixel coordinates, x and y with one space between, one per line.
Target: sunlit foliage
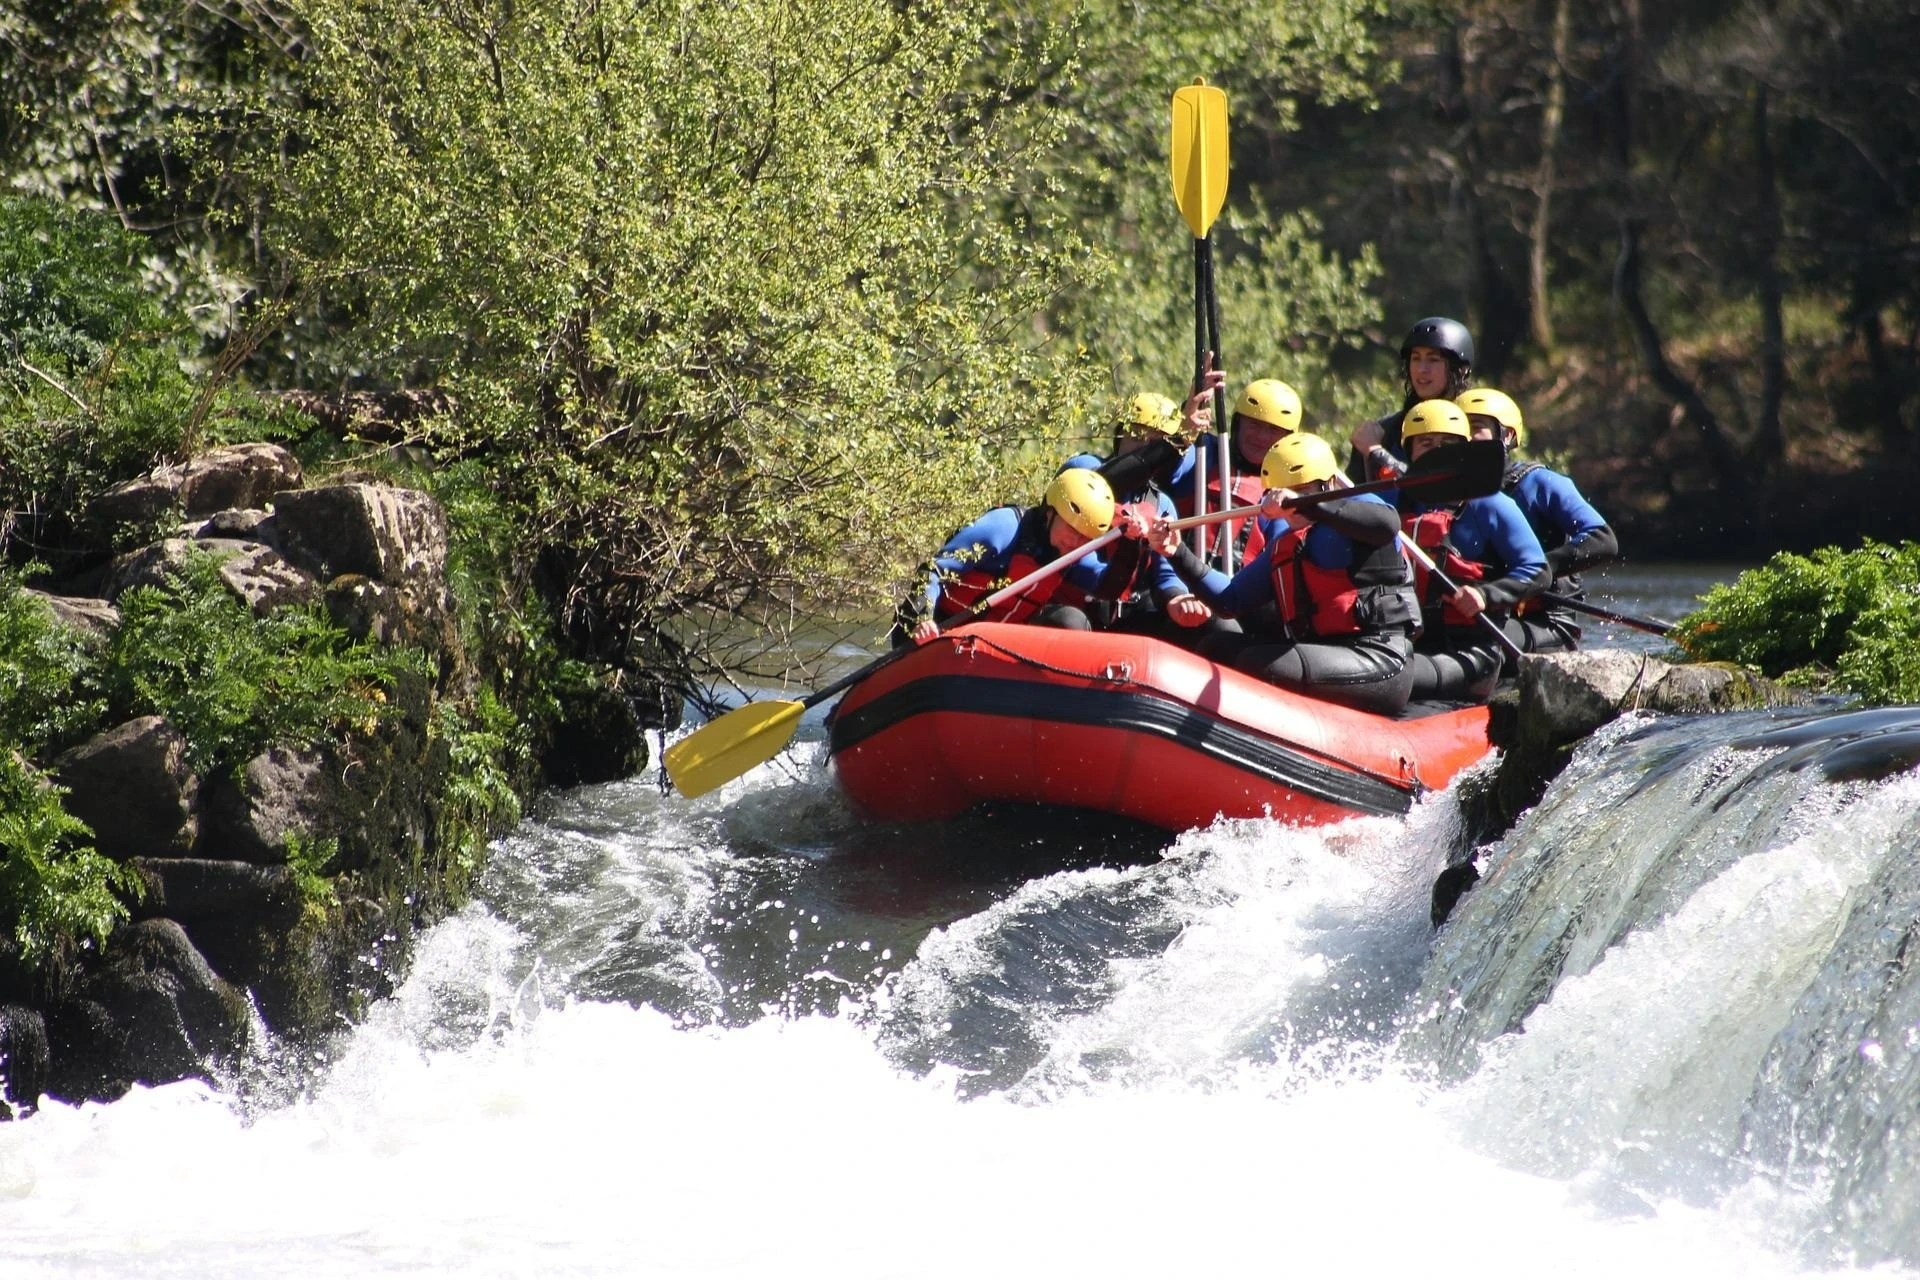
1849 620
715 286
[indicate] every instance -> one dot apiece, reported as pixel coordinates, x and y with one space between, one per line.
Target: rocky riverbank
283 893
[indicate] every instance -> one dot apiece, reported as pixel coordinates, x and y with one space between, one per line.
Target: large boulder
596 737
85 614
245 524
397 536
154 1012
1560 698
253 571
134 787
281 792
240 475
368 609
196 888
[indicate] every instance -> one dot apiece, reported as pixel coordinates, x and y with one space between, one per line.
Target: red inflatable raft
1124 725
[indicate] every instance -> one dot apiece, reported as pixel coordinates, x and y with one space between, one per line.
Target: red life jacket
1324 602
959 592
1431 531
1247 489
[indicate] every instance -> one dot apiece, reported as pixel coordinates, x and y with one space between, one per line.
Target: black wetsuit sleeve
1373 523
1504 593
1191 568
1360 467
1601 546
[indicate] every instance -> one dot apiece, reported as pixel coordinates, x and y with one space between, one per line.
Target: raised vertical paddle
1199 162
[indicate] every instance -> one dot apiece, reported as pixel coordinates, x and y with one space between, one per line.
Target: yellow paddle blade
1199 154
722 751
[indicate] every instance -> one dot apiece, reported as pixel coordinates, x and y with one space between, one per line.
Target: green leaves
1848 619
233 683
44 706
725 293
53 886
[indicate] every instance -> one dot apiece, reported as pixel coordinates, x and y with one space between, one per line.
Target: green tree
92 114
1290 308
95 381
717 289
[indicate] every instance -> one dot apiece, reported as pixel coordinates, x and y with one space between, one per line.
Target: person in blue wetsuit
1436 359
1574 535
1485 545
1265 412
1341 590
1009 542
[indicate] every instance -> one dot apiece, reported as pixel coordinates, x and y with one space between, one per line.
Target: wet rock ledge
1560 698
237 930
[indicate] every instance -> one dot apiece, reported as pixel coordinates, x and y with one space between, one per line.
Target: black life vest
1375 595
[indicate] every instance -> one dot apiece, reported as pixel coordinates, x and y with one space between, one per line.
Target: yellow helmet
1083 499
1497 405
1435 418
1297 459
1150 411
1271 401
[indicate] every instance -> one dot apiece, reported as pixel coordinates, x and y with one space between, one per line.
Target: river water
1671 1033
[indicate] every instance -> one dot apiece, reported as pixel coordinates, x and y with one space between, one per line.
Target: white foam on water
474 1126
600 1140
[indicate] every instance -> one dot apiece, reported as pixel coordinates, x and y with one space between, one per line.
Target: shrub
486 748
95 385
1840 619
43 666
233 683
600 226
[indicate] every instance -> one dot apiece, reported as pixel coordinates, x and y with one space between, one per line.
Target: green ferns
1846 620
43 707
234 683
53 886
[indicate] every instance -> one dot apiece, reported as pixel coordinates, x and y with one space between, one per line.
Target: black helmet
1443 335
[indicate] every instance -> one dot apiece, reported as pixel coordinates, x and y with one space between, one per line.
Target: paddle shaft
1653 626
1222 428
1313 499
1419 553
972 614
1201 248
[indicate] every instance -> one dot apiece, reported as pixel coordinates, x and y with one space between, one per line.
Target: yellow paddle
1199 160
1200 154
721 751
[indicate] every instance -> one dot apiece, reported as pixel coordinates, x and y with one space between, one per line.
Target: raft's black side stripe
1120 709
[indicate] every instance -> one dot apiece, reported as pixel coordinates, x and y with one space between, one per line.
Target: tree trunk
1539 303
1495 306
1626 273
1886 380
1769 442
